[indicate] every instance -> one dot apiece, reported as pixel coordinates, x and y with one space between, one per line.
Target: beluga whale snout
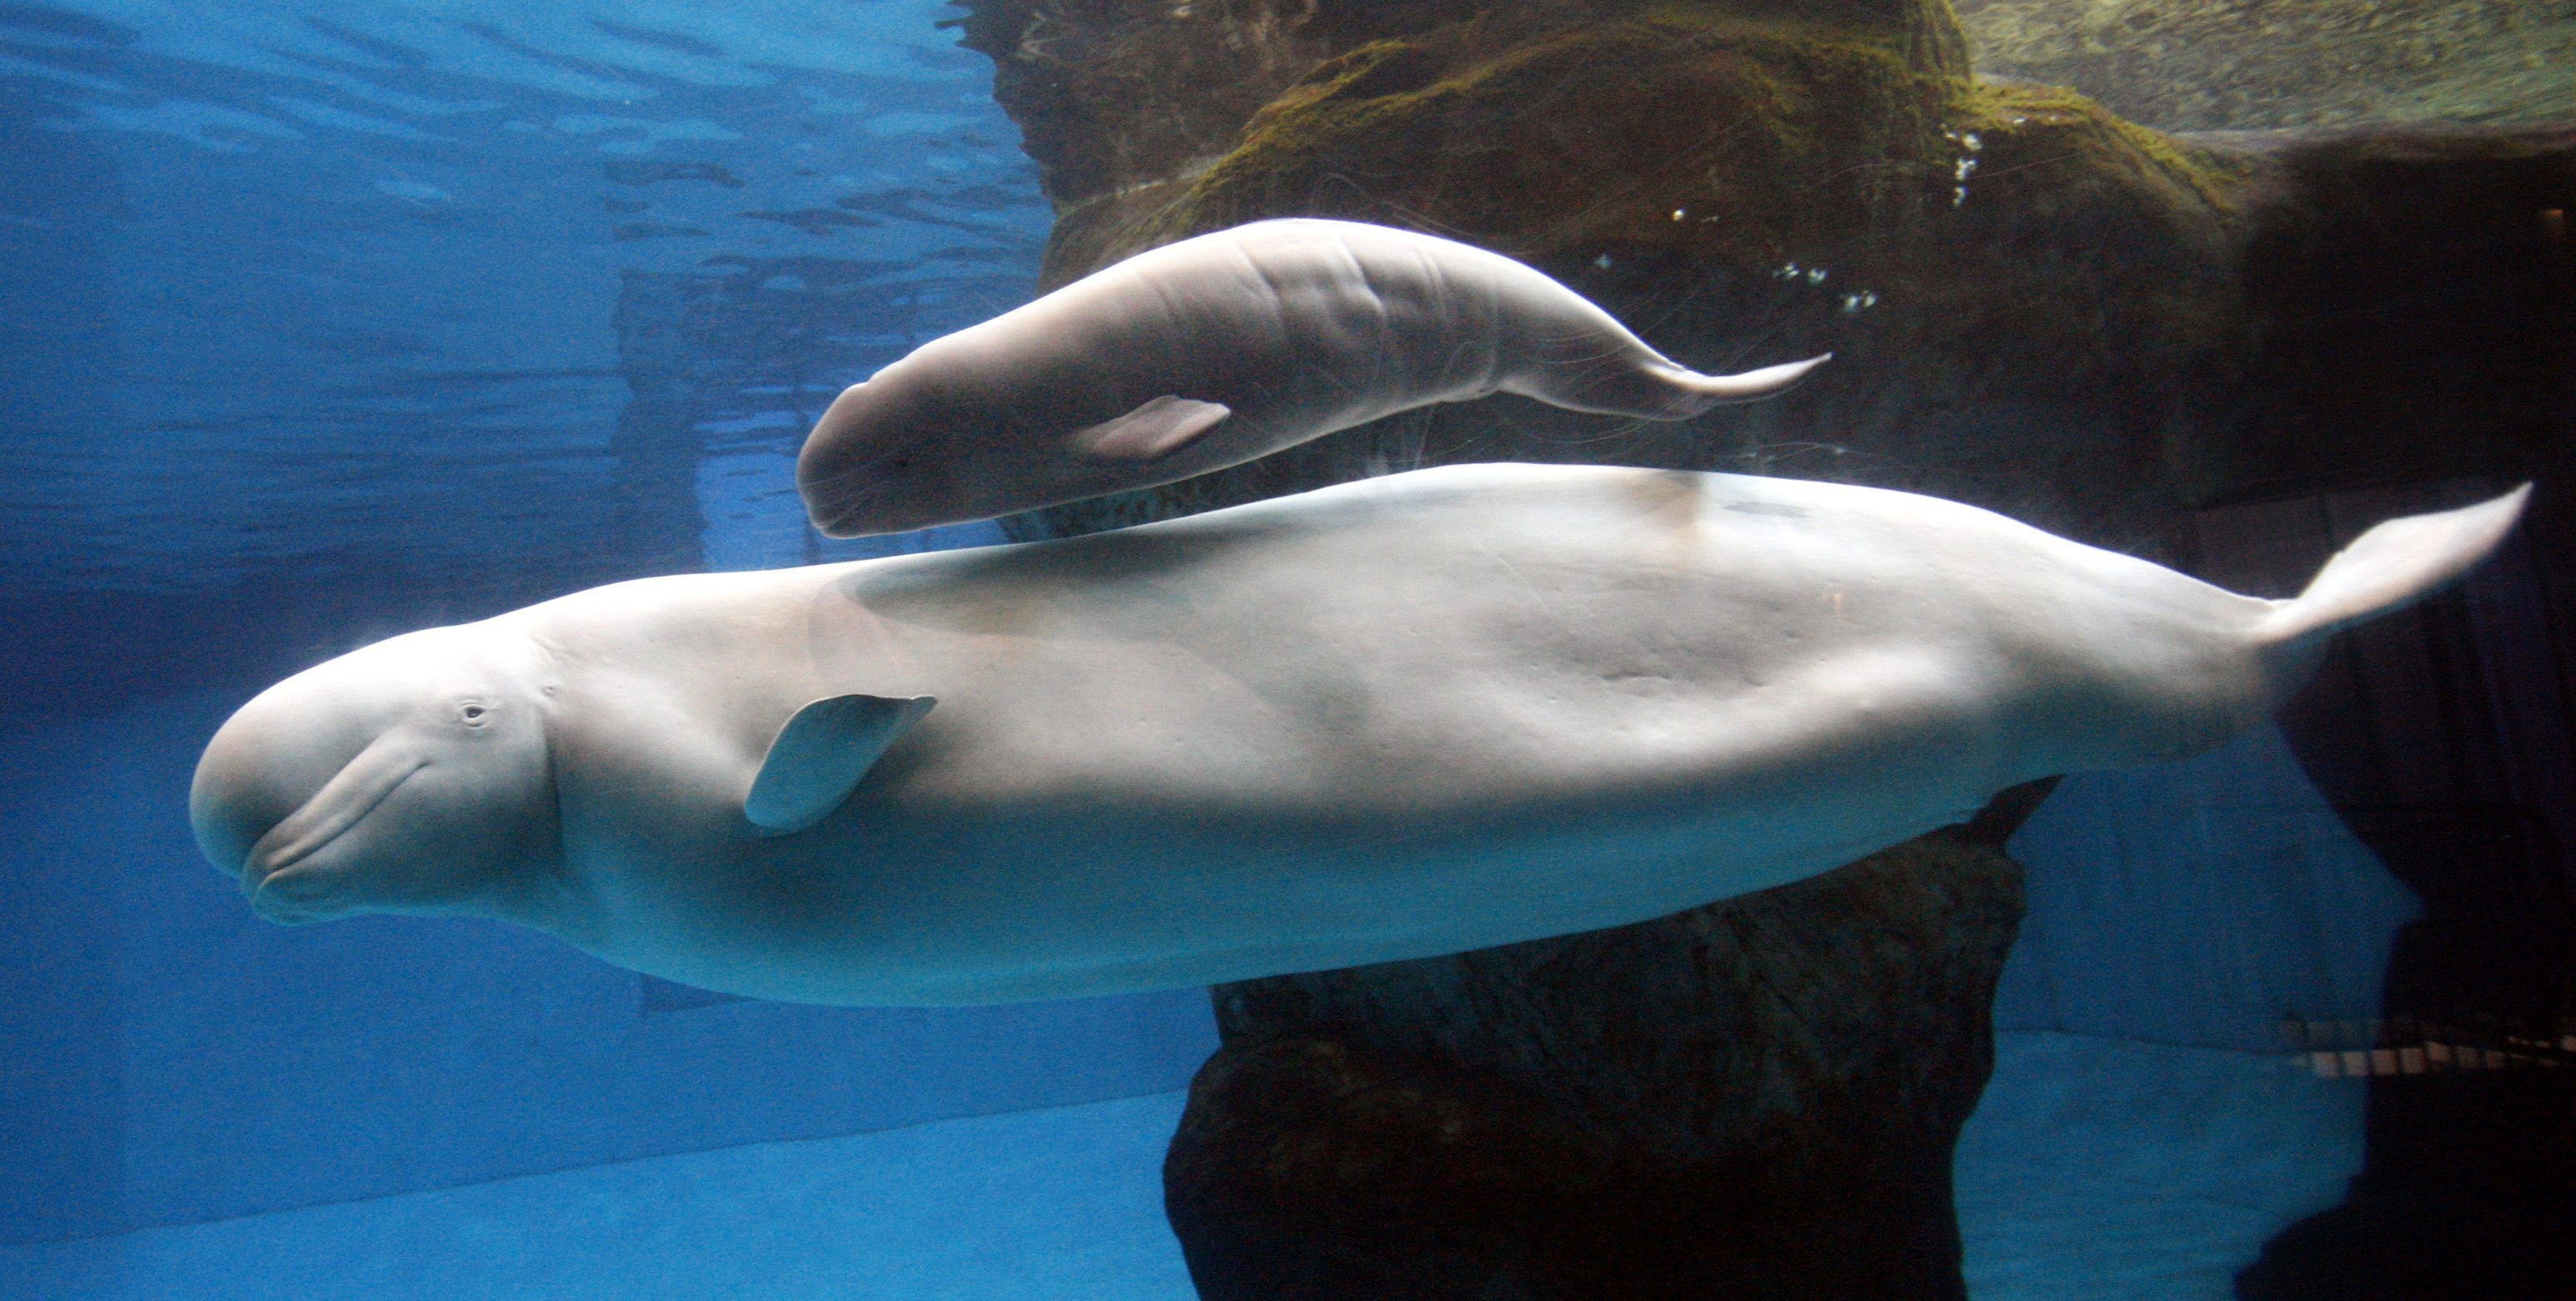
1214 351
410 776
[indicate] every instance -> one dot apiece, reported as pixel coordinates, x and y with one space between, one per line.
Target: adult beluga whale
1213 351
1408 716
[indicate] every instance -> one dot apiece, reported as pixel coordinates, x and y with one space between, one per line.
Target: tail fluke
1641 382
2390 567
1743 386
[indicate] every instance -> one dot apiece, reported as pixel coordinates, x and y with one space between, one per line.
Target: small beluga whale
1408 716
1216 350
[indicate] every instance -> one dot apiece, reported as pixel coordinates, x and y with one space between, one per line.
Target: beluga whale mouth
333 809
411 775
355 791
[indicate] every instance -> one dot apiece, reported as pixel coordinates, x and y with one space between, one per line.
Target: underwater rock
1117 99
2413 298
1754 1098
2036 306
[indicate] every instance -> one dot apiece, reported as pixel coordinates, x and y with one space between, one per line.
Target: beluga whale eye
472 713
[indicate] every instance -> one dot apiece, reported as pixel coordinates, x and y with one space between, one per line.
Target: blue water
2098 1168
323 319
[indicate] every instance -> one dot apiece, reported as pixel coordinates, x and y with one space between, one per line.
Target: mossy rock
1612 129
1755 1098
1743 192
2109 326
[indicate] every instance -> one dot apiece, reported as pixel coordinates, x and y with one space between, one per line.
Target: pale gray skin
1411 716
1216 350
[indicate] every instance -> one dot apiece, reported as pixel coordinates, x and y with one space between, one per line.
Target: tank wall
61 1056
60 1084
2198 903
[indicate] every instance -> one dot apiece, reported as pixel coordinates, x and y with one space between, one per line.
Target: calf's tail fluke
1737 387
1743 386
2388 568
1650 386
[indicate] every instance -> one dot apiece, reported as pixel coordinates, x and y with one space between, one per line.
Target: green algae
2108 144
1813 181
1595 134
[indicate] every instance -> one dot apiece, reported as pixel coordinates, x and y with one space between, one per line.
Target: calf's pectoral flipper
1153 431
821 753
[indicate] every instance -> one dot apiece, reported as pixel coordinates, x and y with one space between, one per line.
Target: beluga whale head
895 452
410 776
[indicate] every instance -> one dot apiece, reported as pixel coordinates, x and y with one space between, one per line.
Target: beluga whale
1408 716
1216 350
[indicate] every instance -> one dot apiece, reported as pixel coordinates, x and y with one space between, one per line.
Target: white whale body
1410 716
1213 351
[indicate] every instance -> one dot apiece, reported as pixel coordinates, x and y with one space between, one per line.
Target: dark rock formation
2035 306
1751 1099
2468 1184
2410 312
